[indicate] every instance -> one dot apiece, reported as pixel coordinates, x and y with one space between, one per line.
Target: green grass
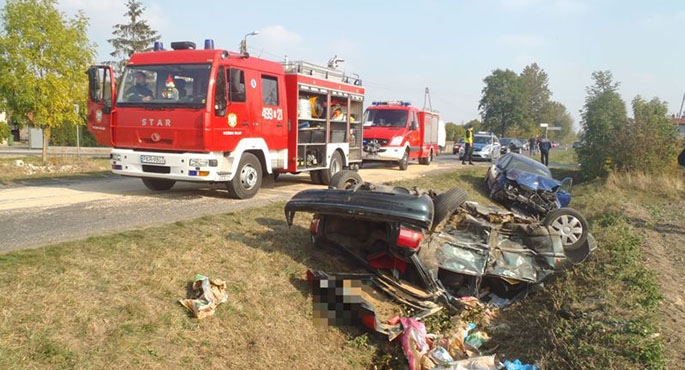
111 302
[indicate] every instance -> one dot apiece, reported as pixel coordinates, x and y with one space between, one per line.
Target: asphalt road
52 211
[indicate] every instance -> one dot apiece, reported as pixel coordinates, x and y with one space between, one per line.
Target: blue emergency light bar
393 102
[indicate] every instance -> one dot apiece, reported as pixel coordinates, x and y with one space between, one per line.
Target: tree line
44 54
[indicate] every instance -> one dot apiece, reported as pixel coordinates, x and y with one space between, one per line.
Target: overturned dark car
527 187
425 248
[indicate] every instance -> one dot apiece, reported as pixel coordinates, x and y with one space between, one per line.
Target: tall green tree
603 115
556 115
503 106
43 56
648 140
537 94
132 37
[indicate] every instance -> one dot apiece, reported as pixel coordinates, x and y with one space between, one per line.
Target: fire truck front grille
156 169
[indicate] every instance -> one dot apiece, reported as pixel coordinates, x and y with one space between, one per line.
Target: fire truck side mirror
93 84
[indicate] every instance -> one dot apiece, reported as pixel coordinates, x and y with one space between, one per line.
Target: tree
603 115
503 106
536 90
556 115
451 130
43 56
136 36
648 139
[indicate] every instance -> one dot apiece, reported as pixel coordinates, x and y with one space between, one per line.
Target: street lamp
243 43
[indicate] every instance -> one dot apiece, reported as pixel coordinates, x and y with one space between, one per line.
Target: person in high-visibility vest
468 145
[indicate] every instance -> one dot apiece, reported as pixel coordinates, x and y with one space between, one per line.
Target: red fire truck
215 116
397 131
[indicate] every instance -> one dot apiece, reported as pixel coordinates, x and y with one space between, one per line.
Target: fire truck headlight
115 157
397 140
198 162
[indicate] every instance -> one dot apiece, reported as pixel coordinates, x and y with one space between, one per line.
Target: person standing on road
532 145
545 146
468 145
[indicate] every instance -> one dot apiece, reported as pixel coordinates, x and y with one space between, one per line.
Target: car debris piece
205 295
475 251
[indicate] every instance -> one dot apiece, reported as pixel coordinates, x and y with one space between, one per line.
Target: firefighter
468 145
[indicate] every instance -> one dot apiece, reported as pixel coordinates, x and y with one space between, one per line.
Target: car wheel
158 184
345 180
404 162
570 224
444 204
247 180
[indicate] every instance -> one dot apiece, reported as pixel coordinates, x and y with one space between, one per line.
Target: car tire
247 180
444 204
404 162
345 180
570 224
158 184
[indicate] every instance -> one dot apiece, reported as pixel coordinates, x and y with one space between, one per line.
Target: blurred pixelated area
337 300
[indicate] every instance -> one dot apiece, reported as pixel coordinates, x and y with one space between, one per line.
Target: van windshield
385 118
164 85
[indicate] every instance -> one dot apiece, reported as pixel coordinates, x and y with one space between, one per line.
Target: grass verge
27 168
111 302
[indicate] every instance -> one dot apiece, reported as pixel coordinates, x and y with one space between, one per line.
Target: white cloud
523 41
279 36
571 6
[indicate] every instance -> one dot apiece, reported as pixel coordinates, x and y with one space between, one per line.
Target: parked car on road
526 186
457 145
512 144
486 146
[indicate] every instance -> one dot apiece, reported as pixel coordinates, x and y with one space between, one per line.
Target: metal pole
78 132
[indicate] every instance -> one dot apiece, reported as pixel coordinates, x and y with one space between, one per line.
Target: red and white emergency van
215 116
399 132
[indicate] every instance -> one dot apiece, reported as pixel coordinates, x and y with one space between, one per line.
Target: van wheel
248 180
158 184
334 167
404 162
344 180
445 204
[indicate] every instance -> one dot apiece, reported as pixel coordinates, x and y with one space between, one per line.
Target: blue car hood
536 182
533 181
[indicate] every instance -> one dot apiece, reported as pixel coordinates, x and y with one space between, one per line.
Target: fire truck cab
215 116
397 131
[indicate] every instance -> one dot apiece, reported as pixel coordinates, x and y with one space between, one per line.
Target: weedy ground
112 302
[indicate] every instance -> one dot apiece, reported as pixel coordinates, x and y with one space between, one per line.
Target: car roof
527 160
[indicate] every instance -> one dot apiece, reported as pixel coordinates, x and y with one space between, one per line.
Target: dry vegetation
19 169
112 302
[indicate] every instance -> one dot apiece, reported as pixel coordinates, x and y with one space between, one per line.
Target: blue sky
401 47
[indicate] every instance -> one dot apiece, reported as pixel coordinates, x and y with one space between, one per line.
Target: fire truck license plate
152 159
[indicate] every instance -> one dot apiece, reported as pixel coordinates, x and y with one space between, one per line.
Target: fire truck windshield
182 85
385 118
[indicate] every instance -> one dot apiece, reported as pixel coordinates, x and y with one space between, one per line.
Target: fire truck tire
427 160
445 204
344 180
404 162
315 176
158 184
248 179
334 167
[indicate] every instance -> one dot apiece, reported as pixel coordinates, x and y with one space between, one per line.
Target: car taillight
314 226
409 238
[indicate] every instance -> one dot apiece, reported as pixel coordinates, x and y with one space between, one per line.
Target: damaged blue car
526 186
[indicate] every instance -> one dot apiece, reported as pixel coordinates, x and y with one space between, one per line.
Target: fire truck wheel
315 176
158 184
344 180
404 162
334 167
426 161
445 204
248 180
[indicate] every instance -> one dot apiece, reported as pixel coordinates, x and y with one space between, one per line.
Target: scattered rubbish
206 294
517 365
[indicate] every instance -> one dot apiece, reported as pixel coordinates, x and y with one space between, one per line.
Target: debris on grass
205 295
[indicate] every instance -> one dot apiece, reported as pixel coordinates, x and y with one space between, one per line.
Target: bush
4 131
